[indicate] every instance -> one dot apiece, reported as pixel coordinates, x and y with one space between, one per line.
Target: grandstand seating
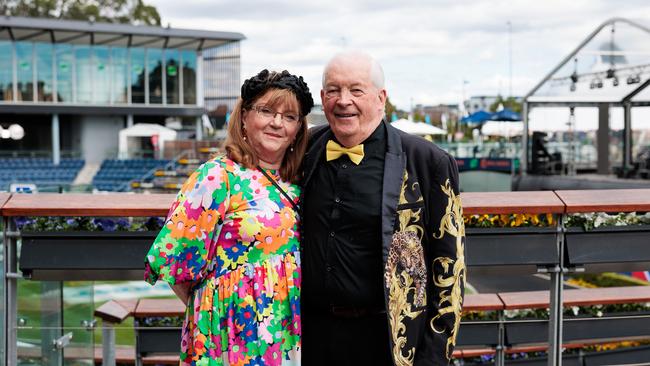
115 174
39 171
170 179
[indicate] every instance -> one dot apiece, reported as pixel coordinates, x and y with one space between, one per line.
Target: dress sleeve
185 245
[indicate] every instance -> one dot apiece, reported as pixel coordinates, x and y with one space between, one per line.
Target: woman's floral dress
234 237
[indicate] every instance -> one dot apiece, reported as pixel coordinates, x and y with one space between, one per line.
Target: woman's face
271 129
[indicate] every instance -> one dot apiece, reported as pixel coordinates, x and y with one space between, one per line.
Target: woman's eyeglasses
269 113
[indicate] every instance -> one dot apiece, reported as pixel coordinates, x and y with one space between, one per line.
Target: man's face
353 105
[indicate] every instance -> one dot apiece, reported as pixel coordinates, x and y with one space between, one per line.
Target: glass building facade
221 77
42 72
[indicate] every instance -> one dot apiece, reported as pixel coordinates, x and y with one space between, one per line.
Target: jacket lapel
394 165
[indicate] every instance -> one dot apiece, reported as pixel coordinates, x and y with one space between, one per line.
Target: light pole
510 58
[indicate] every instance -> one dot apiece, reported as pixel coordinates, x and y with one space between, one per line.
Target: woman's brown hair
241 151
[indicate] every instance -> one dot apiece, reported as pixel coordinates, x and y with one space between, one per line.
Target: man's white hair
376 71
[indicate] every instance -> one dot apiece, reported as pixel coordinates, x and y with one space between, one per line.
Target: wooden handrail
128 204
4 197
511 202
577 297
610 200
79 204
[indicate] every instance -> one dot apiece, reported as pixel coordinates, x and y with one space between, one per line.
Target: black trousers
335 340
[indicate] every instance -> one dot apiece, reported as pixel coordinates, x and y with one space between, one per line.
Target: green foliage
161 321
510 103
111 11
508 220
390 108
589 221
38 224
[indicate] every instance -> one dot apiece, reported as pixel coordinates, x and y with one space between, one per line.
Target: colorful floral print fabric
234 237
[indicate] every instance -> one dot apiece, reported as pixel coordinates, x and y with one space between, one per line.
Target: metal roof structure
610 67
110 34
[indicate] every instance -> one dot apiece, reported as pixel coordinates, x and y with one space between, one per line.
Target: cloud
426 48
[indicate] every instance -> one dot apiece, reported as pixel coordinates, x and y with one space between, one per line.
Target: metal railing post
10 294
556 309
500 357
108 344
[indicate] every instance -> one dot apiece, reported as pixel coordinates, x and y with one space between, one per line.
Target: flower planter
158 340
74 255
614 248
477 333
519 249
577 329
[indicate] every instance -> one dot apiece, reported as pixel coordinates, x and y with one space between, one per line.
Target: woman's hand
183 292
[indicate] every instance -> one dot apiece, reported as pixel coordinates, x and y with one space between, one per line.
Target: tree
391 108
510 103
111 11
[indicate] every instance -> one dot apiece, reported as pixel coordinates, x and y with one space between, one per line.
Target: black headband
265 80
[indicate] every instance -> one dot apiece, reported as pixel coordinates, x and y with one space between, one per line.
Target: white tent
417 128
501 128
130 135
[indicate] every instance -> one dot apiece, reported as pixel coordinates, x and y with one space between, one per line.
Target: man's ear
322 97
382 97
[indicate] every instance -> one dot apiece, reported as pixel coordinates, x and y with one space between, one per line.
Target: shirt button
337 200
332 234
344 166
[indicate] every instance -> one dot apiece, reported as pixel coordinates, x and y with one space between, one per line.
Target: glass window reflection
84 74
6 72
189 77
101 75
64 67
44 73
172 76
137 75
25 79
119 58
154 68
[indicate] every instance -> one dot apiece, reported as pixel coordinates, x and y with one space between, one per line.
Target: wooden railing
554 251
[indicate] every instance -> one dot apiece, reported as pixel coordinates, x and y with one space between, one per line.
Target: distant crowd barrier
557 250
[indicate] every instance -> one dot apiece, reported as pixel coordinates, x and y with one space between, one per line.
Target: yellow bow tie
334 151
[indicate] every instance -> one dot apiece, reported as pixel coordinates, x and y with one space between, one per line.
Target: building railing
555 251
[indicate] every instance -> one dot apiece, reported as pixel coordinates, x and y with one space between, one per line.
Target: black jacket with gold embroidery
423 245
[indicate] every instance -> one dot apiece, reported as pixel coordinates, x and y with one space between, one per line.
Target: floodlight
634 79
16 132
4 134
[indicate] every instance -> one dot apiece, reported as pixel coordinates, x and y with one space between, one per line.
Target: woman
230 245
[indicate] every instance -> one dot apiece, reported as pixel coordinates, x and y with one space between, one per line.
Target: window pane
120 74
102 75
189 77
84 74
154 64
172 75
25 71
44 72
137 75
64 61
6 71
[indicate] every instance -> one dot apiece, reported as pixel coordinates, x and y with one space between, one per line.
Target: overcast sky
427 48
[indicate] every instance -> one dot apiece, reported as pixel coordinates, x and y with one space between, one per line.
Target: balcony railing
556 251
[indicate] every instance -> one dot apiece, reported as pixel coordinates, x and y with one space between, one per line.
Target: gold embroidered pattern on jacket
451 298
405 275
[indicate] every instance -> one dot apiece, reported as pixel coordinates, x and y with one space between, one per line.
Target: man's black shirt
342 247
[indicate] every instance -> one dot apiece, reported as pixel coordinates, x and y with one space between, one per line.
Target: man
383 248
